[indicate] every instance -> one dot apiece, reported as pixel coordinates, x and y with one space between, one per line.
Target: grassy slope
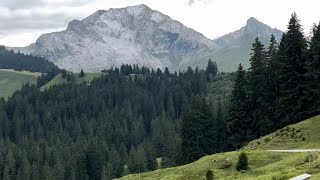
59 80
11 80
263 164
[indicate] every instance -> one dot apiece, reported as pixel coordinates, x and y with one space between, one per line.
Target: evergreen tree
238 108
313 65
211 69
197 130
209 175
294 101
257 86
64 74
81 73
242 163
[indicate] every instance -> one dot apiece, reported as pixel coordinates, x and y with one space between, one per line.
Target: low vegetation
11 80
88 77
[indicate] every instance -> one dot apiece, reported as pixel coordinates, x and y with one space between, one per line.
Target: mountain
131 35
140 35
235 48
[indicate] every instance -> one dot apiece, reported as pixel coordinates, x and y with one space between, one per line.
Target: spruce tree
238 108
81 73
256 87
197 130
294 94
313 65
242 164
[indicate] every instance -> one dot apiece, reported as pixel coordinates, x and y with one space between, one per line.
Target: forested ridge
118 124
19 62
23 62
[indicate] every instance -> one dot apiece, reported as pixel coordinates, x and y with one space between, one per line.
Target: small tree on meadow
81 73
209 175
242 162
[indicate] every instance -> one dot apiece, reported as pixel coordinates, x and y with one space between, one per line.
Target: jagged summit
131 35
147 37
253 28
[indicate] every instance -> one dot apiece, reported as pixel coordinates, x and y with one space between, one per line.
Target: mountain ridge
146 37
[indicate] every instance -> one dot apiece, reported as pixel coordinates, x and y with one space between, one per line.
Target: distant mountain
140 35
235 48
132 35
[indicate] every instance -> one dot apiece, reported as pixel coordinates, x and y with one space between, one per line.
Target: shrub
209 175
242 162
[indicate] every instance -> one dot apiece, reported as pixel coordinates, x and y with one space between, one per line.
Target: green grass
263 165
303 135
11 81
59 80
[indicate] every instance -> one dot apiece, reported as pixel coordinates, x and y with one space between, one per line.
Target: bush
209 175
242 162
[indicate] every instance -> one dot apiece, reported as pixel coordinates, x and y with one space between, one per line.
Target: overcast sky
23 21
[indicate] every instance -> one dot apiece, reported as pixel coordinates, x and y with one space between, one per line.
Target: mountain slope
11 81
140 35
132 35
263 165
235 48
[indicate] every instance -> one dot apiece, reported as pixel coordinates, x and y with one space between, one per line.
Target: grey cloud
20 4
35 21
29 4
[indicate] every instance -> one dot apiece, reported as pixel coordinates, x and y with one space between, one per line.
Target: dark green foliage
211 70
81 74
22 62
63 74
280 88
197 130
242 164
209 175
238 109
118 125
294 100
19 62
313 66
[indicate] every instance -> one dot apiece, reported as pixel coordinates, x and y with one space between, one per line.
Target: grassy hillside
263 165
303 135
59 80
11 80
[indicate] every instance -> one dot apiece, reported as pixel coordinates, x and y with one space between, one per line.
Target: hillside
263 164
11 80
59 80
303 135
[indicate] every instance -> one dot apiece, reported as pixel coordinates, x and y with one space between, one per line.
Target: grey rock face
133 35
140 35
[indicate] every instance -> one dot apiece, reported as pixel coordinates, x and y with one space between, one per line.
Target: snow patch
157 17
136 10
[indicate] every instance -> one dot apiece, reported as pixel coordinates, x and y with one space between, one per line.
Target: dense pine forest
118 124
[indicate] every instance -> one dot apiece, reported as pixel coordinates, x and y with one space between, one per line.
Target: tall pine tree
293 102
238 109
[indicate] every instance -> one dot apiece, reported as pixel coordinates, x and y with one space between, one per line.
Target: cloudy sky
23 21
